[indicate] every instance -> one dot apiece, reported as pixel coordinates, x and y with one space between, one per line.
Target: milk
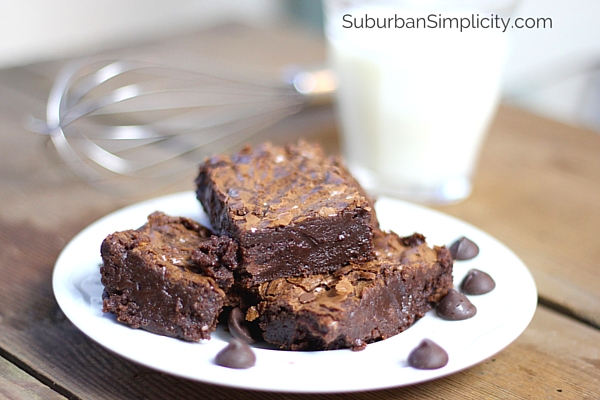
414 104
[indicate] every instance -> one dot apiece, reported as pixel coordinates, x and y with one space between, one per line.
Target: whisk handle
318 85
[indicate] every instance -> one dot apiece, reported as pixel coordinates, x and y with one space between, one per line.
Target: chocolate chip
455 307
237 354
463 249
238 327
427 355
477 282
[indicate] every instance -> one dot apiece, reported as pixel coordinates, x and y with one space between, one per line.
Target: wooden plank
538 191
17 384
535 179
537 188
555 356
35 331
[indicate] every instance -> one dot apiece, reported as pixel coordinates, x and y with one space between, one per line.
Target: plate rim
383 202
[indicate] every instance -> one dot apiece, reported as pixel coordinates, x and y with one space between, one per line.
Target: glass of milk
419 82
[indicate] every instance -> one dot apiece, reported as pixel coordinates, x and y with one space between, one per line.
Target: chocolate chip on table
237 354
428 355
464 249
238 327
477 282
455 306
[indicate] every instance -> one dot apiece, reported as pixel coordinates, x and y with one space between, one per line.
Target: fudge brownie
293 210
163 276
357 304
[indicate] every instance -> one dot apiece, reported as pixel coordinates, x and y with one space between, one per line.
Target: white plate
502 314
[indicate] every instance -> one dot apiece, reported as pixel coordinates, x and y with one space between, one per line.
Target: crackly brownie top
270 186
327 293
169 241
175 243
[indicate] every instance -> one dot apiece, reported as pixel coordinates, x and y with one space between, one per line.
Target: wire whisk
133 119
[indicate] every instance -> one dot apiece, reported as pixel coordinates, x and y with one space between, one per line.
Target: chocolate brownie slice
358 304
292 210
163 276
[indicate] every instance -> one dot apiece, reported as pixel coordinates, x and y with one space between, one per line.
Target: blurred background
554 72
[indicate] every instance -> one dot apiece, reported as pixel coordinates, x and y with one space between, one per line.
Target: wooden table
537 190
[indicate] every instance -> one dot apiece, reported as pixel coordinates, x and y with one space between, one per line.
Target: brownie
293 210
355 305
164 277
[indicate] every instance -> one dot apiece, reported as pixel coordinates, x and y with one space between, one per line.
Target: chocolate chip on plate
455 306
477 282
464 249
428 355
238 327
237 354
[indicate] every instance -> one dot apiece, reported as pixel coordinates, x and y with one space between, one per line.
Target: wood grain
17 384
556 356
537 190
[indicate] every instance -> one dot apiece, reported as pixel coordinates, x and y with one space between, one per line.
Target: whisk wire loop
112 119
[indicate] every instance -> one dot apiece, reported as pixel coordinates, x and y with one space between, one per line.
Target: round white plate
502 314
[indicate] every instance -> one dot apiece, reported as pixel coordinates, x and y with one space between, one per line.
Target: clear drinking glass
419 82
